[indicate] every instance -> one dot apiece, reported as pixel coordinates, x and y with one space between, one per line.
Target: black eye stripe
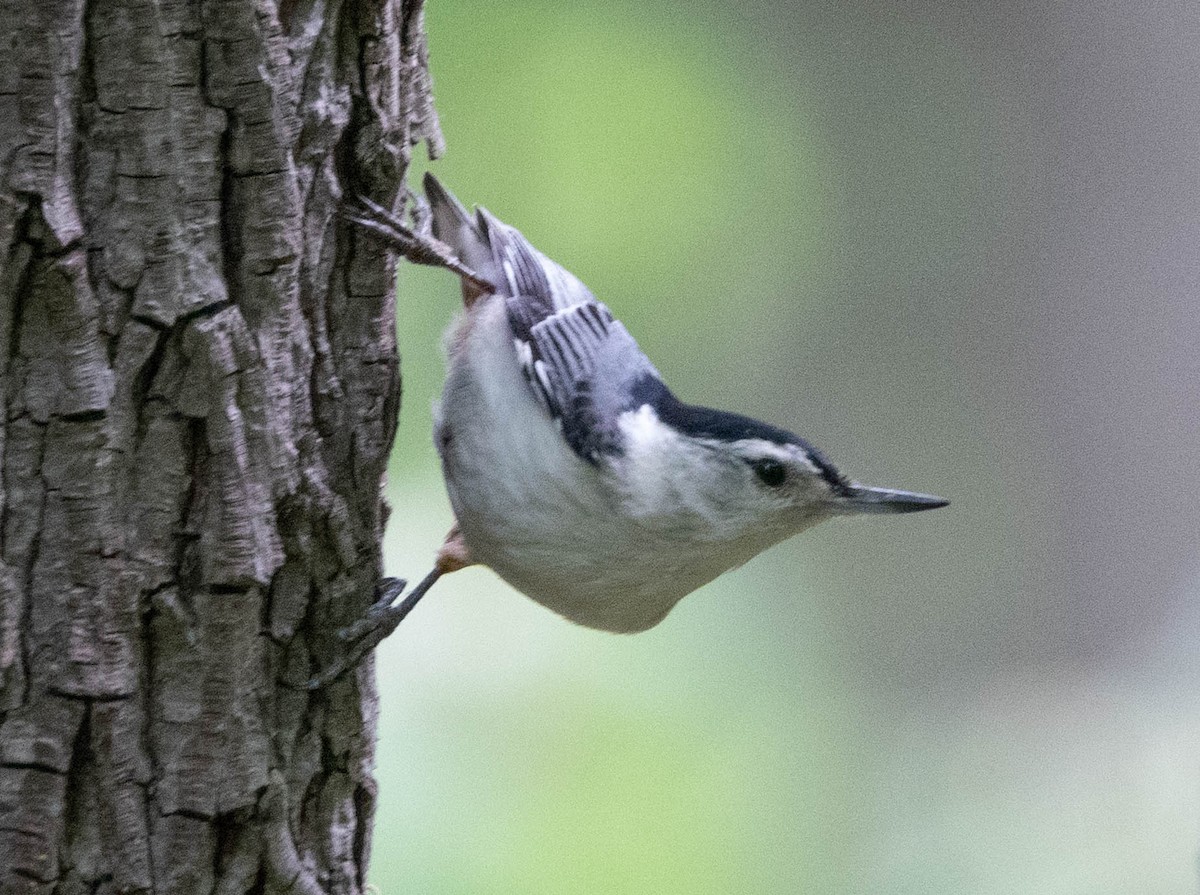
770 472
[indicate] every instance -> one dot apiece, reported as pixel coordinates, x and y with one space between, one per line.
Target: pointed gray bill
863 499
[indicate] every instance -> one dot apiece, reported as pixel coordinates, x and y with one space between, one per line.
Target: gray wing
584 366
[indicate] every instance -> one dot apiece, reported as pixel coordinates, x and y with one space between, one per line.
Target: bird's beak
863 499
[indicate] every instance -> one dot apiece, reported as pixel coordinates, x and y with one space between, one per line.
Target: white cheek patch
650 447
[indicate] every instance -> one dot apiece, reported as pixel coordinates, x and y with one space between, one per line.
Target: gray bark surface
200 388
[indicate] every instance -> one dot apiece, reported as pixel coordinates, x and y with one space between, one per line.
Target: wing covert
581 362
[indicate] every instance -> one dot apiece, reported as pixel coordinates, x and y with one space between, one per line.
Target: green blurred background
953 243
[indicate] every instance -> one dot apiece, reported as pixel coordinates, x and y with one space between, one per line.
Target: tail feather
501 255
457 227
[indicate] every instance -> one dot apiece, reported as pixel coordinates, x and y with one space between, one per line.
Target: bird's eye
770 472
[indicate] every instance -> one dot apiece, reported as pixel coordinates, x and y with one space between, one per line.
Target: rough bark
200 385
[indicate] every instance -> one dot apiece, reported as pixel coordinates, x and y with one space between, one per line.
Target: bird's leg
378 622
385 614
453 554
417 245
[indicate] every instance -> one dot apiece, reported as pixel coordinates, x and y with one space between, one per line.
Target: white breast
547 522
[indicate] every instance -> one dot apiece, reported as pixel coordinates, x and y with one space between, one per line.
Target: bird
574 472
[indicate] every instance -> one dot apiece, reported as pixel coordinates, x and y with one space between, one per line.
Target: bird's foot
384 616
417 245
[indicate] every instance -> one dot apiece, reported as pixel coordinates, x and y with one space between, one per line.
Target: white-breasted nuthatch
574 472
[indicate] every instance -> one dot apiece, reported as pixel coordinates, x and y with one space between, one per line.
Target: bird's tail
462 231
500 253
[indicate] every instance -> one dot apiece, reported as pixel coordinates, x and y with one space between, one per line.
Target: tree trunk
200 386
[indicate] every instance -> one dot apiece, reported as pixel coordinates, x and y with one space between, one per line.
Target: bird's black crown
721 425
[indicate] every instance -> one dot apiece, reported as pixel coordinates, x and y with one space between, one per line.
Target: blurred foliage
903 231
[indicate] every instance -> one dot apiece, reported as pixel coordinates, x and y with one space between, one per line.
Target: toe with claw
378 622
418 246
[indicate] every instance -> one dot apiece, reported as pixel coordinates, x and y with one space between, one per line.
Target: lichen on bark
200 390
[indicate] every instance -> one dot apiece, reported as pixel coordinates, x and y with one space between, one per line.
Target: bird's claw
378 622
388 589
419 246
